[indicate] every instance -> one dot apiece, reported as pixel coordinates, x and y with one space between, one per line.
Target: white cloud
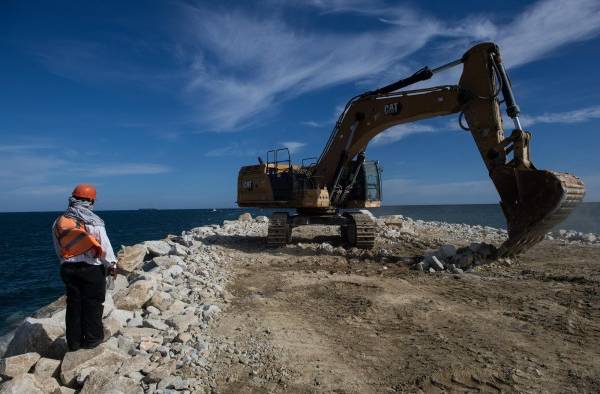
312 123
258 62
234 149
101 170
547 26
293 146
576 116
401 131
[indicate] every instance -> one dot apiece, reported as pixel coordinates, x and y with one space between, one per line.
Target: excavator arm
533 201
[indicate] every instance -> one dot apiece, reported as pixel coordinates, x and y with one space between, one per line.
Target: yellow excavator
323 190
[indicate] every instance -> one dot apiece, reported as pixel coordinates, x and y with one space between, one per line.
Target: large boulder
136 295
161 300
245 217
21 384
158 248
81 361
131 258
43 336
168 261
46 368
122 316
103 382
17 365
121 283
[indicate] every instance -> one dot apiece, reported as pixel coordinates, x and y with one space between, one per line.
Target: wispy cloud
234 149
575 116
286 62
312 123
399 132
18 148
123 169
293 146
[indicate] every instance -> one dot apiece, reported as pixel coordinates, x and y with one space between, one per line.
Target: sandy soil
301 322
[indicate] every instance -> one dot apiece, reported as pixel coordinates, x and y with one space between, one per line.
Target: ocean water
30 273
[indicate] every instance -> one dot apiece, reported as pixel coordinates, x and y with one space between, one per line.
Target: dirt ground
301 322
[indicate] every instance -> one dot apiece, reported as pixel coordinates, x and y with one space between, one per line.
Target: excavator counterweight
533 201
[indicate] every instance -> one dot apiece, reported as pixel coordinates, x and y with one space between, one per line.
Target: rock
108 305
179 250
183 337
111 327
49 384
447 251
161 300
121 315
64 390
176 307
153 310
436 264
131 258
173 271
589 238
138 332
262 219
136 296
245 217
99 357
157 374
46 368
158 248
121 283
103 382
325 248
209 312
16 365
455 270
173 382
25 383
168 261
136 320
125 344
135 364
43 336
182 322
155 323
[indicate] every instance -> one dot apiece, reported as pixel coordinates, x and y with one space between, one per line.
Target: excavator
332 188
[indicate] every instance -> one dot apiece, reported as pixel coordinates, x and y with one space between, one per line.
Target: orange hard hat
84 190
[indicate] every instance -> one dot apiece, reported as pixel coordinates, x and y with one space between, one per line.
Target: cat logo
391 109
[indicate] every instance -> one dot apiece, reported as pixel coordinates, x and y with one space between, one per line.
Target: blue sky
160 103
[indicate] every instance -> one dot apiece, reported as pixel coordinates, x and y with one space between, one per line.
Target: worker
86 257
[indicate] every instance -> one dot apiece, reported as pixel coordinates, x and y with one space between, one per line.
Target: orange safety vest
73 238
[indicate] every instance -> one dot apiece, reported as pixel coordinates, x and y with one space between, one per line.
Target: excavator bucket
533 201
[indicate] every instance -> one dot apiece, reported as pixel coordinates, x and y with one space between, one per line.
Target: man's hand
112 271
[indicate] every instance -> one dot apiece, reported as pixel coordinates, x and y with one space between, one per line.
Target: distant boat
214 210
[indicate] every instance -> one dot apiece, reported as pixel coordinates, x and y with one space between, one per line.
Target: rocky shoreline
159 310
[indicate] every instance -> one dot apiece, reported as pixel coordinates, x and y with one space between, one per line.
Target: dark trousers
86 288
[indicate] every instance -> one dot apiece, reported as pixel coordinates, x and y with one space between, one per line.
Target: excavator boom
533 201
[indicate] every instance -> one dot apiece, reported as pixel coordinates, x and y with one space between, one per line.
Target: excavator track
361 233
567 191
279 232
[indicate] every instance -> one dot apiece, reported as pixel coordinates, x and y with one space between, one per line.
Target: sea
29 270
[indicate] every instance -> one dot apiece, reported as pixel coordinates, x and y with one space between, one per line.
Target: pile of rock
575 237
155 319
449 258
